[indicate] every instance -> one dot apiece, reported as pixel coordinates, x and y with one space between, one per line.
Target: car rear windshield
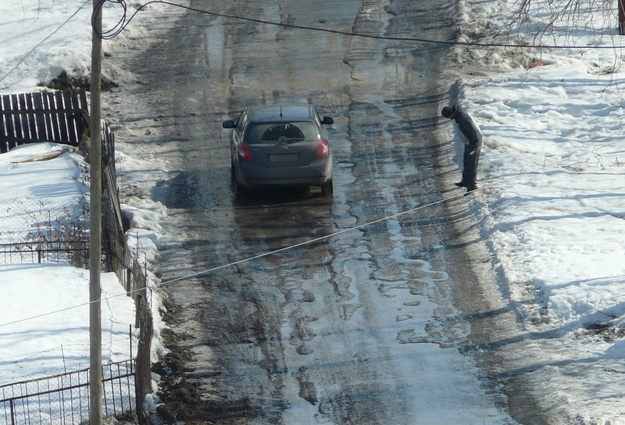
280 132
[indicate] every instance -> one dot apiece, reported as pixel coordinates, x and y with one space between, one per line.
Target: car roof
277 113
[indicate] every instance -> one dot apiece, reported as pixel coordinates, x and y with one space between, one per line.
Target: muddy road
292 307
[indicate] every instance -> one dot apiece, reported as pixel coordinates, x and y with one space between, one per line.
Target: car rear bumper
252 175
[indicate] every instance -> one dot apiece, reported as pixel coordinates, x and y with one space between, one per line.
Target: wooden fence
60 116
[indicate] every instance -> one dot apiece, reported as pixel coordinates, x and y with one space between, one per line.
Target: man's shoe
471 188
461 184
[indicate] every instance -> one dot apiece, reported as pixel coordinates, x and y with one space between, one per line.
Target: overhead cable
125 21
247 259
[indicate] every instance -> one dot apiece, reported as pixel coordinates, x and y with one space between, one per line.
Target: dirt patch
65 81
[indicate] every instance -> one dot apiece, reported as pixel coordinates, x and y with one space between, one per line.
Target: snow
52 343
45 310
552 173
550 204
44 319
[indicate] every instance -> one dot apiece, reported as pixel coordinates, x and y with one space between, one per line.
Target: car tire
327 189
240 191
233 173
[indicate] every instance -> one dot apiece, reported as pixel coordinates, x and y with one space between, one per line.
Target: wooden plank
3 128
5 147
32 119
73 116
108 145
63 116
17 124
9 144
84 110
83 100
9 118
40 121
4 144
83 107
14 141
110 188
43 157
73 123
54 118
47 118
23 115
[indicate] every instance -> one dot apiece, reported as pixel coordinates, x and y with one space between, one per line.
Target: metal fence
64 399
74 252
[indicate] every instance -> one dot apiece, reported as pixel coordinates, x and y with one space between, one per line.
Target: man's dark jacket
470 131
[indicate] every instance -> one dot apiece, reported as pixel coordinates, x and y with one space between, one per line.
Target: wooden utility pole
95 224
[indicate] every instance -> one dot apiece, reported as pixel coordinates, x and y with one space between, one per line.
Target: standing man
472 138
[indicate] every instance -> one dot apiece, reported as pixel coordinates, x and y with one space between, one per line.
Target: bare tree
571 17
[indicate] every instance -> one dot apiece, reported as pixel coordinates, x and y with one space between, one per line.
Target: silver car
280 146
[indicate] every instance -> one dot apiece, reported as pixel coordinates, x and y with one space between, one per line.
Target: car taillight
245 153
322 149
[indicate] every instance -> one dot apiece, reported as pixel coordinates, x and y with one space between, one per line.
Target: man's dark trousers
470 161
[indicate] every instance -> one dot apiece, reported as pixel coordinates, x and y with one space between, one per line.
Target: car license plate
284 157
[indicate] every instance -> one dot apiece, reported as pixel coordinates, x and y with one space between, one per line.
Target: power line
248 259
125 21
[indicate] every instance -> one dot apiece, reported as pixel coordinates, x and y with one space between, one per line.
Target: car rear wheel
327 189
240 191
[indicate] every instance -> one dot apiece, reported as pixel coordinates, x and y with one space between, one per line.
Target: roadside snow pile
44 319
551 204
38 184
554 170
49 307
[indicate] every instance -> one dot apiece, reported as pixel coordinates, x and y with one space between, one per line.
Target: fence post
128 282
12 411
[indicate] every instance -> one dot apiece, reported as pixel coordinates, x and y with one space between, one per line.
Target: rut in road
350 330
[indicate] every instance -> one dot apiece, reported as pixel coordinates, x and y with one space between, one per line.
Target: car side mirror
327 120
228 124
